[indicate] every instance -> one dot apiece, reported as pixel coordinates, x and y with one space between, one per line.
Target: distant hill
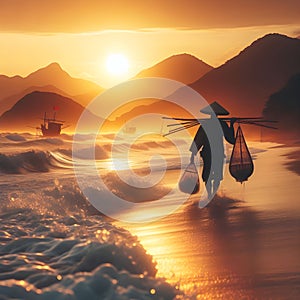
9 102
244 83
284 106
29 110
185 68
50 76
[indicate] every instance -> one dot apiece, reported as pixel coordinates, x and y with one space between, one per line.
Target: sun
117 64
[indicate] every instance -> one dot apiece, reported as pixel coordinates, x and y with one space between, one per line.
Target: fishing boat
51 126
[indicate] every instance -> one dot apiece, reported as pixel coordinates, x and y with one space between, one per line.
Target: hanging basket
189 182
241 165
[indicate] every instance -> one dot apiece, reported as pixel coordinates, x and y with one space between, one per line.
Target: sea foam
73 257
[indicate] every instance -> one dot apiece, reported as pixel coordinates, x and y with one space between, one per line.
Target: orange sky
95 15
80 36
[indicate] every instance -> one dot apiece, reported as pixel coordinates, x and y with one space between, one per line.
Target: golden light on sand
117 64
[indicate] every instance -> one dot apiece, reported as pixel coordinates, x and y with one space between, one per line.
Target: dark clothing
228 132
206 157
201 141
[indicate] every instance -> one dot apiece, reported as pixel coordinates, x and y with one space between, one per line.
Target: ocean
54 244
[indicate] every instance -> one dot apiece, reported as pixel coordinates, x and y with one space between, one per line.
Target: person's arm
229 131
197 143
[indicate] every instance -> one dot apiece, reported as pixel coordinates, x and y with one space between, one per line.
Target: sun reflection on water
225 250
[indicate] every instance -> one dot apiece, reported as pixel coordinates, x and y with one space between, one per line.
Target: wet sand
244 245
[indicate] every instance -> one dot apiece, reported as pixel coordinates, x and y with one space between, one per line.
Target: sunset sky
80 35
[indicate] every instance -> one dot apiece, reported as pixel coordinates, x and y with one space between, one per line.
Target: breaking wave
32 161
73 257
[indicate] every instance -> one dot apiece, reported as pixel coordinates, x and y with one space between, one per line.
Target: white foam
54 257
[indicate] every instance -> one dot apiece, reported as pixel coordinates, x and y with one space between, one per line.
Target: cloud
81 16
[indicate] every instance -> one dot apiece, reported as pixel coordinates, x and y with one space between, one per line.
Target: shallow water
54 244
244 245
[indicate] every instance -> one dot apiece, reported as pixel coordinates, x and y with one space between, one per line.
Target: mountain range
242 85
51 78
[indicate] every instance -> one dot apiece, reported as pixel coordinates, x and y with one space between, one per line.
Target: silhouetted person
201 142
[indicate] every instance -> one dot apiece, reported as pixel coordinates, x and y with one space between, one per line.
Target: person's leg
216 185
206 172
218 175
206 166
208 186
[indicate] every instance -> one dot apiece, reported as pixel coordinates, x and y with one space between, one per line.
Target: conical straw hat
217 108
